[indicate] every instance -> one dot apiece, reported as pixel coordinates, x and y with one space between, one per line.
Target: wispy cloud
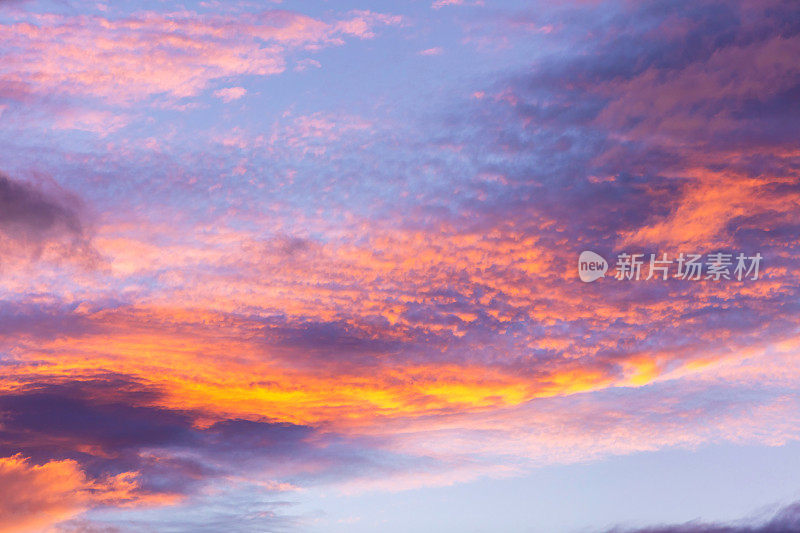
128 59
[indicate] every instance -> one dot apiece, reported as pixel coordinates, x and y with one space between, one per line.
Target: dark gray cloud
109 423
26 208
787 520
581 138
32 218
39 321
105 422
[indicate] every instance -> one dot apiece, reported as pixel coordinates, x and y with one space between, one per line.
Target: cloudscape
436 266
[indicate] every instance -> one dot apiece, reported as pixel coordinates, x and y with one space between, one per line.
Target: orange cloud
34 497
712 200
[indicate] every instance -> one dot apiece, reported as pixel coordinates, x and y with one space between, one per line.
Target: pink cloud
35 497
230 94
174 54
432 51
306 64
362 23
95 121
438 4
442 3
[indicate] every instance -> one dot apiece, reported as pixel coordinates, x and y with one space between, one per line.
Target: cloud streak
123 60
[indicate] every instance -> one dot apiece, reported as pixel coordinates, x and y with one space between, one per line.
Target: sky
314 266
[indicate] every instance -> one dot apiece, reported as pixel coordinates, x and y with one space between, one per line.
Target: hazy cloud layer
332 276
